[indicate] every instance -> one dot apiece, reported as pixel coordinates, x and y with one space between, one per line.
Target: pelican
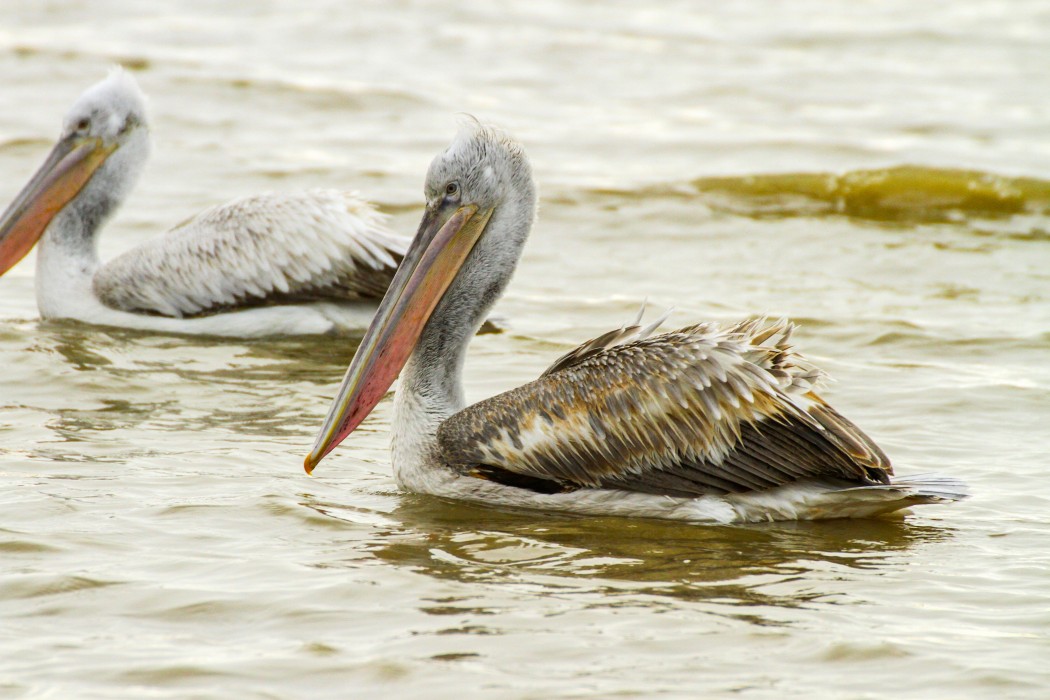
270 264
708 423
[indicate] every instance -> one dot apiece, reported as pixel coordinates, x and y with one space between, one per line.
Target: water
874 171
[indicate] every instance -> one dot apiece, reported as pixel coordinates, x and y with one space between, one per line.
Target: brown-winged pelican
303 263
706 423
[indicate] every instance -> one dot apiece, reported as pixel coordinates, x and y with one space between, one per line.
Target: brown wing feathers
696 411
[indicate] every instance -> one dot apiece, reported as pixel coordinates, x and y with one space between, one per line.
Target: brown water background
875 171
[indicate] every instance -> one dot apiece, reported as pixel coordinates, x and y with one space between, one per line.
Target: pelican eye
83 124
452 189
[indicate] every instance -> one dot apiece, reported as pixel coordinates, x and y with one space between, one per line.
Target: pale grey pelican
707 423
311 262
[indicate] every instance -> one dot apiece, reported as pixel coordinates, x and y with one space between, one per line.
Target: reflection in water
211 383
72 341
743 570
85 347
247 387
72 424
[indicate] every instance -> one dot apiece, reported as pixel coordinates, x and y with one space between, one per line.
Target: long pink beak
429 266
67 169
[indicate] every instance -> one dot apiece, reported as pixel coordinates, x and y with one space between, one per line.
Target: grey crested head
480 205
486 167
90 170
114 112
112 109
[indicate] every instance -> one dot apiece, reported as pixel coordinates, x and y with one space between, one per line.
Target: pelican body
707 423
311 262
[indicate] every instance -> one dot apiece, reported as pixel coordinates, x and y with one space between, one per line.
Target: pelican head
103 144
481 202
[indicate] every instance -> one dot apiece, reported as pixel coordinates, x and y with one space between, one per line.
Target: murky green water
876 172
